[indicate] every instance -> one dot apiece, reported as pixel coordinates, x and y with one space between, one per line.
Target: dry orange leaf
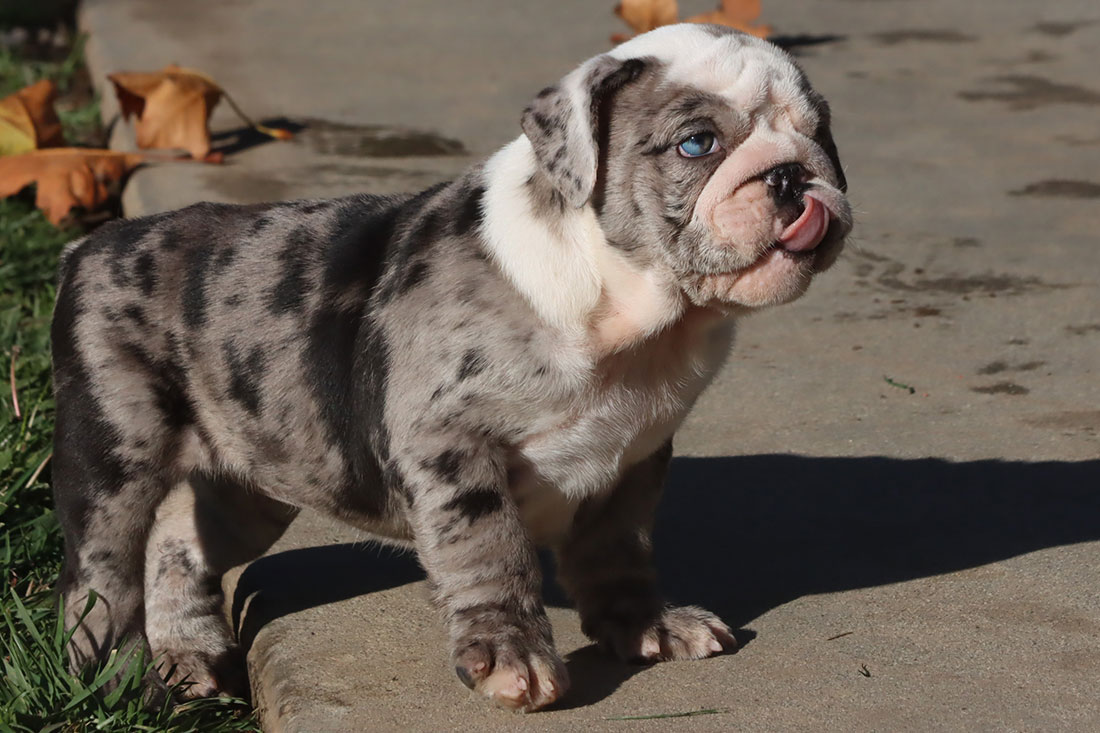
173 106
28 120
738 14
65 177
645 15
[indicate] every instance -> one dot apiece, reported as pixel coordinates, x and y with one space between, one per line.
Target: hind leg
109 475
203 528
123 436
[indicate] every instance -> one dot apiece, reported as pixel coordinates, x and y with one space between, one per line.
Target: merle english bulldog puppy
491 365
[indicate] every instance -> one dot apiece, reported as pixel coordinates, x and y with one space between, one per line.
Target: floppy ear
824 137
562 124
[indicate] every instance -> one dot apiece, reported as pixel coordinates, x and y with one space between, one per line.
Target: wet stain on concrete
1008 388
966 242
1059 29
1032 92
920 311
925 35
1060 188
375 141
1086 420
988 284
996 367
1083 330
872 256
878 271
1077 140
1042 615
1038 57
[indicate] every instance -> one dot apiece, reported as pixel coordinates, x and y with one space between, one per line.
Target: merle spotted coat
489 365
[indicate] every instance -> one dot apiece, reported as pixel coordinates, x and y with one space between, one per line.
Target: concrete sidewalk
897 559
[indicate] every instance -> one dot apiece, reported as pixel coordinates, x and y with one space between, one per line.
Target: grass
37 692
30 543
77 105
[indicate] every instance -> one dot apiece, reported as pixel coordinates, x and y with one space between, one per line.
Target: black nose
785 182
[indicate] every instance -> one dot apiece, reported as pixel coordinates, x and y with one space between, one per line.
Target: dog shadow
743 535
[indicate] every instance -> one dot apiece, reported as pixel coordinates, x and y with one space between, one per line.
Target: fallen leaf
645 15
66 177
738 14
173 108
28 120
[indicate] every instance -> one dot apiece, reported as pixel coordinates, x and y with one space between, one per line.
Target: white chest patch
634 402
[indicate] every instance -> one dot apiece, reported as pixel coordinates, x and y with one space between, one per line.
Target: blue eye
698 145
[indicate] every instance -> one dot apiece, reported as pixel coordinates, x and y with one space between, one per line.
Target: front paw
687 632
514 669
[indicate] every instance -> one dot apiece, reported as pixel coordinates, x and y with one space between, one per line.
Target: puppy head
705 154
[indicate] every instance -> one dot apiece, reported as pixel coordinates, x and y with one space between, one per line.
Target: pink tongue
808 231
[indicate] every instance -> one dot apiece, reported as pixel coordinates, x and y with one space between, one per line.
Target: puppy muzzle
788 188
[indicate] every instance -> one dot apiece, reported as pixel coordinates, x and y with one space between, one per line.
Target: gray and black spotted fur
219 367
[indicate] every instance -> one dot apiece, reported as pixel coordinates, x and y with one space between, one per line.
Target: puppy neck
635 304
559 260
550 258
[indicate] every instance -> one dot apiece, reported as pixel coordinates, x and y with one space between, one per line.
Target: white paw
680 633
512 673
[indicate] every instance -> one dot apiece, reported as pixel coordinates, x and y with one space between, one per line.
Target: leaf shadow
796 44
230 142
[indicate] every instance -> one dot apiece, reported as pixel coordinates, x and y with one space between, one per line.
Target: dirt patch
996 367
1060 188
885 273
1076 141
1036 56
1009 388
1060 29
1084 420
1032 92
926 35
966 242
988 284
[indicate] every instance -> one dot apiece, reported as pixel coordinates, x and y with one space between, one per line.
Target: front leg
485 577
606 566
